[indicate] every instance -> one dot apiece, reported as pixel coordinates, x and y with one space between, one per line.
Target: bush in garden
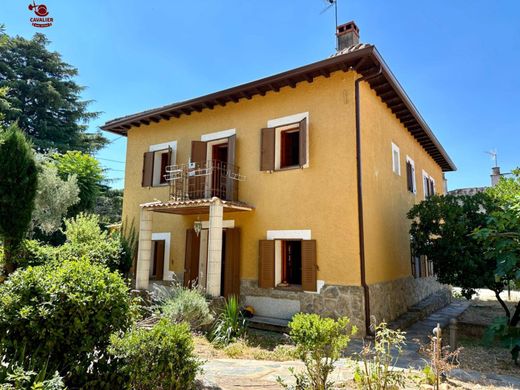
230 324
158 358
377 368
85 238
64 314
319 342
190 306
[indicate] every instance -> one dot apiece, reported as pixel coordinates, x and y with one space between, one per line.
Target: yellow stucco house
290 191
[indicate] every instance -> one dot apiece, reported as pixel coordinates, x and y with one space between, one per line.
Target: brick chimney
495 176
347 35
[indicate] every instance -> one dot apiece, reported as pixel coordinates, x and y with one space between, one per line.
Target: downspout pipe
361 222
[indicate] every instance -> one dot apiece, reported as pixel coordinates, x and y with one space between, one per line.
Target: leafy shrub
85 238
181 304
158 358
63 314
377 369
230 324
319 342
20 373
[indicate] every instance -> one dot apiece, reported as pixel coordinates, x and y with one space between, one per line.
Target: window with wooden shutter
231 185
309 265
266 264
166 158
197 184
267 149
303 142
147 179
410 175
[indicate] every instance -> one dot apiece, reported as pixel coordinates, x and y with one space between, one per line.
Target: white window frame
279 124
412 163
163 148
395 149
218 135
427 176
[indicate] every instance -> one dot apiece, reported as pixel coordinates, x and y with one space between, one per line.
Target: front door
230 265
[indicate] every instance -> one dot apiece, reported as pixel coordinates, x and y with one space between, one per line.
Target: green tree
53 198
109 205
43 96
18 183
501 237
89 175
442 228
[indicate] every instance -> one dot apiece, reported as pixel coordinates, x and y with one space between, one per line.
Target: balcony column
214 271
144 256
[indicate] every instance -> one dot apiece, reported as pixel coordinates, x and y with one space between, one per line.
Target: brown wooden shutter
159 259
409 177
303 142
309 266
432 187
232 263
147 180
266 264
198 155
191 259
267 149
231 185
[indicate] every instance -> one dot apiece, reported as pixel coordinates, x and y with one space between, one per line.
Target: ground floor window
291 263
422 267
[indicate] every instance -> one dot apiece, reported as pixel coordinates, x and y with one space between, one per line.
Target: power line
107 159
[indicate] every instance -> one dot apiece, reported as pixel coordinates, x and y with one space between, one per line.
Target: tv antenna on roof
494 156
330 4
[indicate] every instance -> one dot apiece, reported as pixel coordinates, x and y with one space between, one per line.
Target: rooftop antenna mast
494 156
332 3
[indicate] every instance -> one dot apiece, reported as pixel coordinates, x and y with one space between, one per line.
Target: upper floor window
396 159
285 143
410 175
428 185
155 163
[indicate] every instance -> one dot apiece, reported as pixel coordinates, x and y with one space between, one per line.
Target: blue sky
458 60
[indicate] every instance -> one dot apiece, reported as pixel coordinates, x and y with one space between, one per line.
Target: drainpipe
361 222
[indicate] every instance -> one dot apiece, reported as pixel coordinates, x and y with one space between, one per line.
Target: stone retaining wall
331 301
387 300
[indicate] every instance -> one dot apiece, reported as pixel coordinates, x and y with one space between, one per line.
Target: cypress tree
18 183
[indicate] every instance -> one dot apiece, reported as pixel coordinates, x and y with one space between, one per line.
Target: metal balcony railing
203 180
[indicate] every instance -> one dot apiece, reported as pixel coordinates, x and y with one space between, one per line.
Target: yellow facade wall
386 198
321 198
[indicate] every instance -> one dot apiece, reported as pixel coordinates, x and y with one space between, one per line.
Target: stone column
216 217
144 257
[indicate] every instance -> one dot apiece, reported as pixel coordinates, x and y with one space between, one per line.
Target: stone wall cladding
388 300
332 301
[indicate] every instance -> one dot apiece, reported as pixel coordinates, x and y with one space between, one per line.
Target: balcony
203 180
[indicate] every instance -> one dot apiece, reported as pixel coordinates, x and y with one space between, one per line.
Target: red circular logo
40 10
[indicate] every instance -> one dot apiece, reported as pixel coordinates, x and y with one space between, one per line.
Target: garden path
258 374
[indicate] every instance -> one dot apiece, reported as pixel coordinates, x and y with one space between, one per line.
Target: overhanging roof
195 206
363 58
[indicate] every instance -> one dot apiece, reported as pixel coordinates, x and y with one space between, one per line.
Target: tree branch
504 306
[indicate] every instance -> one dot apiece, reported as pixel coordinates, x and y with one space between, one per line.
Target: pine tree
43 97
18 183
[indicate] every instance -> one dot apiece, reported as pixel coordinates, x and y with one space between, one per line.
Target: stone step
271 324
421 310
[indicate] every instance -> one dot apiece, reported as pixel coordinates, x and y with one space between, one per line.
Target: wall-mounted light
197 226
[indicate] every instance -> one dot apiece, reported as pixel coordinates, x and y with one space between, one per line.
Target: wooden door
191 259
231 263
